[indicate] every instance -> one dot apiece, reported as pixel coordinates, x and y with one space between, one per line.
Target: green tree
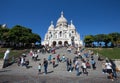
107 39
115 38
4 35
88 40
98 38
22 35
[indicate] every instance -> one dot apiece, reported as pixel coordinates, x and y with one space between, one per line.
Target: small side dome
72 25
51 27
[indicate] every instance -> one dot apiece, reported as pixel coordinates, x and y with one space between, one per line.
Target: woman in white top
77 63
84 67
108 66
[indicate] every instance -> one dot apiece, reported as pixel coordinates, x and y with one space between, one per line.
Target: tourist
45 63
114 69
53 62
26 63
69 49
63 58
109 69
35 56
22 60
74 59
49 59
31 53
88 64
67 64
18 61
84 68
93 64
38 51
77 67
39 68
70 65
58 58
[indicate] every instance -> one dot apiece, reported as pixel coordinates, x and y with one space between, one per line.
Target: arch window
60 33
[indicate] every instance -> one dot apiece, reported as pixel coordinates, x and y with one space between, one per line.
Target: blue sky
89 16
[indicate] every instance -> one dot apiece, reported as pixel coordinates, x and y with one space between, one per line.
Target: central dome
61 20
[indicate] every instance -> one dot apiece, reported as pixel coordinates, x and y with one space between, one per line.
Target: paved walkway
19 74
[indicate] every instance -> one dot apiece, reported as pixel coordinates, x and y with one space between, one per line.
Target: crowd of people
82 60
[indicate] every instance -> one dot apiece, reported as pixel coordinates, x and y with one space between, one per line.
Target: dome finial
62 14
71 21
51 22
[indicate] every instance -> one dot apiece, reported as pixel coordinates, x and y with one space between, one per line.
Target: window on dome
49 32
72 31
60 24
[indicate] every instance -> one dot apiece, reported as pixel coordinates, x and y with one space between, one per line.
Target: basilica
62 34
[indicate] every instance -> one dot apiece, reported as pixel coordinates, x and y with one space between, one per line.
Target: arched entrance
54 43
60 42
66 43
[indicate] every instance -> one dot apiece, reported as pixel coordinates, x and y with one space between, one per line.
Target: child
39 68
49 59
88 64
53 62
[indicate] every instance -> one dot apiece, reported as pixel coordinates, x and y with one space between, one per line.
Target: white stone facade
62 34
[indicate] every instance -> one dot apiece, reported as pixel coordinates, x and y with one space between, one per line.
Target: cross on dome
51 27
51 22
71 22
62 14
72 25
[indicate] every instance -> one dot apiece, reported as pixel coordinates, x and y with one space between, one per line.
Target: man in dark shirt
45 63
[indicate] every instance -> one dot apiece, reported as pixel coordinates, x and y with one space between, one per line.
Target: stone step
1 63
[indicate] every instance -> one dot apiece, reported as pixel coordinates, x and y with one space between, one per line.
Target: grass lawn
14 53
112 53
